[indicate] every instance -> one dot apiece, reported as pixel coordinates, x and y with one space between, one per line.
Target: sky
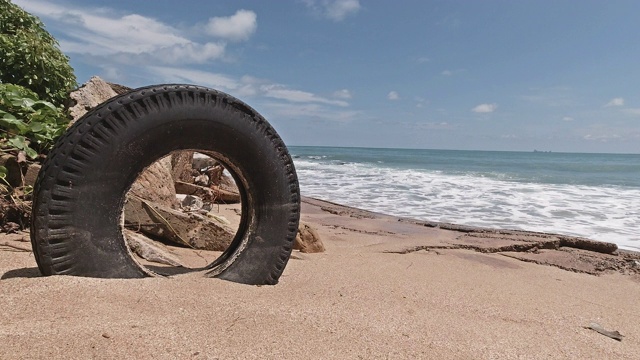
551 75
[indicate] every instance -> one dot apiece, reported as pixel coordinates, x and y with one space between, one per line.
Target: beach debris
601 330
10 227
307 240
16 247
191 203
187 229
212 193
150 250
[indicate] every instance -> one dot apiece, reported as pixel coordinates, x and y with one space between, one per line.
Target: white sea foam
600 213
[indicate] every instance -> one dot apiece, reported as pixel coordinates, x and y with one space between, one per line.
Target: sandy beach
386 288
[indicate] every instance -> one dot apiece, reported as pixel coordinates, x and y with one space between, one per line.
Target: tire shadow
21 273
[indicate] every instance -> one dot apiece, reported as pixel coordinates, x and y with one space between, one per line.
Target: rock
156 184
193 230
149 249
31 175
202 161
191 203
307 240
119 89
202 180
14 171
181 163
215 174
19 174
93 93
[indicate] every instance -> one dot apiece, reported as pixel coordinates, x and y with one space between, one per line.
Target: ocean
596 196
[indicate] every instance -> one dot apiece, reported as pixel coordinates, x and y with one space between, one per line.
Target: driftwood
16 247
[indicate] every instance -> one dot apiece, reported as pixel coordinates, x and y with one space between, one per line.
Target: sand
386 288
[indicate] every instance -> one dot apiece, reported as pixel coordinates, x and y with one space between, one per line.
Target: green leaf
3 172
18 142
31 153
36 127
11 122
7 117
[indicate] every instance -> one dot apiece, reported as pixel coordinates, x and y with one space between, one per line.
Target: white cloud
449 72
342 94
485 108
393 95
280 92
601 137
430 125
615 102
109 37
567 118
632 111
420 102
317 111
204 78
245 86
336 10
239 26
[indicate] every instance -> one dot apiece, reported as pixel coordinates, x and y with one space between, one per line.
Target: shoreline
528 246
384 288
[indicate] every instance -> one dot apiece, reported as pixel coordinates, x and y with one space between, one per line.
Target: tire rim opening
182 213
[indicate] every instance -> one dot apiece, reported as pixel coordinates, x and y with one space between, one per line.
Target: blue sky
470 75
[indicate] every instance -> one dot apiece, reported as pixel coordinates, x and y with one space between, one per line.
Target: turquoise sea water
591 195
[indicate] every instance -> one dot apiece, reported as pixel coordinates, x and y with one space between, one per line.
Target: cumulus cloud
239 26
342 94
281 92
485 108
133 39
393 95
336 10
244 86
615 102
567 118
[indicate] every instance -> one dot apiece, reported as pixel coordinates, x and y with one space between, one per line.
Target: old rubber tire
80 191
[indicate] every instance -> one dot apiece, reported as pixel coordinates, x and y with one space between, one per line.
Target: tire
80 191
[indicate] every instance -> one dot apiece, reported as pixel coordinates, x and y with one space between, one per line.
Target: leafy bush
28 124
30 57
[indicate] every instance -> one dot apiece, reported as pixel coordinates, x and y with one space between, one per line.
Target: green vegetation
28 124
30 57
35 78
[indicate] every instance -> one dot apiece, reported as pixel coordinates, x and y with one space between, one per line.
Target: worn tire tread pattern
54 212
